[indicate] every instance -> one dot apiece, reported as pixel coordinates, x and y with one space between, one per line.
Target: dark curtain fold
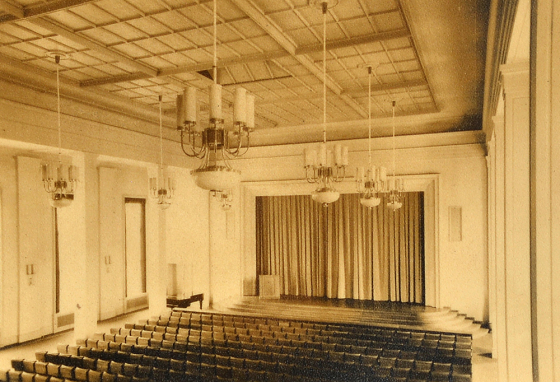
343 251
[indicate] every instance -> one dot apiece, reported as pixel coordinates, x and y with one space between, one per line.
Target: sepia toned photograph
279 190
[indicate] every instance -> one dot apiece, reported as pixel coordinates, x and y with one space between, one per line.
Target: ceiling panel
273 48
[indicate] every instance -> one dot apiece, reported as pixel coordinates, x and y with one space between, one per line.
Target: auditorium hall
287 190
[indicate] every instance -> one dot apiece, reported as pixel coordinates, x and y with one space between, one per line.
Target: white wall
10 253
115 184
225 252
188 237
92 138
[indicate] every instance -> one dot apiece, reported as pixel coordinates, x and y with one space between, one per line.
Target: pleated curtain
342 251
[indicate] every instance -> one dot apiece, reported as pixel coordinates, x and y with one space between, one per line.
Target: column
545 190
499 324
156 259
86 233
491 163
517 260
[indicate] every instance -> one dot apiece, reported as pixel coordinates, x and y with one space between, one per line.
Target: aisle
48 343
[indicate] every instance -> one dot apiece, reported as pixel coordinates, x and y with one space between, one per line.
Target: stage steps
403 316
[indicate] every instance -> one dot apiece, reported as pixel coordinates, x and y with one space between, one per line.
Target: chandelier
59 180
324 166
214 144
162 187
370 181
226 198
396 185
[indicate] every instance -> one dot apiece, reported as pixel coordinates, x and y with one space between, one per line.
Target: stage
371 313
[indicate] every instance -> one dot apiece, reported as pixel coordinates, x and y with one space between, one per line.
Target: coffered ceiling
428 56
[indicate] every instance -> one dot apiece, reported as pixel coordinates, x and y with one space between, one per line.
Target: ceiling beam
386 87
15 11
278 35
260 80
88 43
37 10
352 41
115 79
256 57
42 9
351 92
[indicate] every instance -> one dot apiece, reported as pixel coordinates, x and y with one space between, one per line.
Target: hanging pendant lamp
216 145
371 180
396 185
325 166
162 187
59 179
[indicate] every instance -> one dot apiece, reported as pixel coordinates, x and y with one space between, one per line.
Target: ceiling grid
142 48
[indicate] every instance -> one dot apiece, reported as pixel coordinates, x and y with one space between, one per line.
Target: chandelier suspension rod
324 5
215 59
57 59
393 120
369 116
160 135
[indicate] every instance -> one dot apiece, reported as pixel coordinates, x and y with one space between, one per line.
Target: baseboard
43 331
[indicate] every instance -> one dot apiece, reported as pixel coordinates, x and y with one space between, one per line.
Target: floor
484 367
27 350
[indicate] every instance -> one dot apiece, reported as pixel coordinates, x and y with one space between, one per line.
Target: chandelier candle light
162 187
324 166
59 180
214 144
396 185
372 180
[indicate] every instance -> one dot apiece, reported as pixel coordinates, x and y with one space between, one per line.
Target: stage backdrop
342 251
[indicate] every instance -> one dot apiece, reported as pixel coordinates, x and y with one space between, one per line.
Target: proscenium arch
426 183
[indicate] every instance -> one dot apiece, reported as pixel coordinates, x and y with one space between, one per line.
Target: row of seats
102 370
190 346
262 351
178 318
217 319
361 347
297 330
275 338
241 357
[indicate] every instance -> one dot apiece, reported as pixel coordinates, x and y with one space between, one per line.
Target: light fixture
59 180
162 187
396 185
226 198
325 167
214 144
372 180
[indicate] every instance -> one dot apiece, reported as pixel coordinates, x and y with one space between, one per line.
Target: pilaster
517 261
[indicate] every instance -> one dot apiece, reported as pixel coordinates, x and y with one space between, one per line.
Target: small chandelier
59 180
226 198
325 167
372 180
162 187
396 185
214 144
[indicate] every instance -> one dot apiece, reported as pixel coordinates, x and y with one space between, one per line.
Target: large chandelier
59 179
396 185
214 144
370 181
162 187
324 166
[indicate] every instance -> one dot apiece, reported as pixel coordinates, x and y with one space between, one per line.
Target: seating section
194 346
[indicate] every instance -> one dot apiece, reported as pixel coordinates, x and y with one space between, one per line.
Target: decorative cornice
502 17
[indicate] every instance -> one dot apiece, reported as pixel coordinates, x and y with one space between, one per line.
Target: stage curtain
343 251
